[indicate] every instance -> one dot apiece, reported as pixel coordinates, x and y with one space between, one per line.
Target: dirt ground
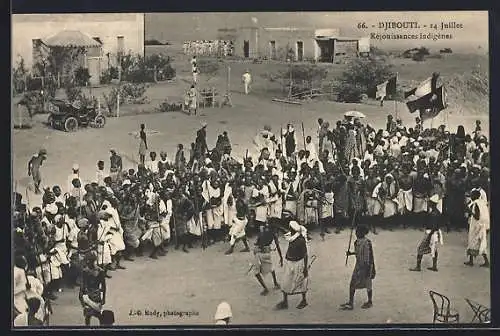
198 281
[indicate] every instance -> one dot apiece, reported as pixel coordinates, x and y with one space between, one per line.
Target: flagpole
396 95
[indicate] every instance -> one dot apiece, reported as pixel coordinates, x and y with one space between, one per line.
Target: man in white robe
247 80
215 211
479 218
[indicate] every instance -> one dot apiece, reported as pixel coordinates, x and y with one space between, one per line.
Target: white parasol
354 114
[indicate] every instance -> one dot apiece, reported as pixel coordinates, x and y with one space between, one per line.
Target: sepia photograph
250 168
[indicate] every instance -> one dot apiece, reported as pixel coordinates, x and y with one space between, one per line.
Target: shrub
208 68
137 69
418 57
130 93
110 101
82 76
133 93
19 74
75 93
361 77
166 106
108 75
34 102
304 77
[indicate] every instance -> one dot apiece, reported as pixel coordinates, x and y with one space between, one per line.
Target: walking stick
350 235
303 135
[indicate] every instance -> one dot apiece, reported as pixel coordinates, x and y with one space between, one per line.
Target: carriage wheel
50 121
71 124
100 121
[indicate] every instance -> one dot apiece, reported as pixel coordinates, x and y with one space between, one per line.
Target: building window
300 51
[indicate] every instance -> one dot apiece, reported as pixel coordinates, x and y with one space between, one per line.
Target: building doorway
246 49
326 49
300 51
272 47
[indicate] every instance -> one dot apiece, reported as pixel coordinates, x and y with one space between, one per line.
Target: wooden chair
481 313
442 311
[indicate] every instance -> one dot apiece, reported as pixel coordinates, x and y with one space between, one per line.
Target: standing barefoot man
34 168
143 144
263 261
364 270
295 277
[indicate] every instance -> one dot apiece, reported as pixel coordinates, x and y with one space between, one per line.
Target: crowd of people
212 48
351 174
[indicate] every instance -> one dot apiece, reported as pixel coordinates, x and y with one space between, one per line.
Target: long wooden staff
303 135
350 235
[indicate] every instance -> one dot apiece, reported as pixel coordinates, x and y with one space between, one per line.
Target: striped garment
364 270
293 278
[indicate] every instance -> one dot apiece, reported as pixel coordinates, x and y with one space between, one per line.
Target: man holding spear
364 270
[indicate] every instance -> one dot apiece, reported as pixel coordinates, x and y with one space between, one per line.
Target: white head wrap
434 198
52 208
223 311
298 228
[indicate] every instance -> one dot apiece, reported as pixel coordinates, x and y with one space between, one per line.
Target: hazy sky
178 27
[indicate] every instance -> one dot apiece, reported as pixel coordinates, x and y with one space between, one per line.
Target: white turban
223 311
434 198
295 226
298 228
52 208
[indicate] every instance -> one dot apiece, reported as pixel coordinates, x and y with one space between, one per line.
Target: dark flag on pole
430 105
425 87
387 88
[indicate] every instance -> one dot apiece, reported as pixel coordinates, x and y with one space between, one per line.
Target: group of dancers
354 177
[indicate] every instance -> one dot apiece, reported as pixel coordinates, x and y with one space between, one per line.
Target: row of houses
103 37
320 45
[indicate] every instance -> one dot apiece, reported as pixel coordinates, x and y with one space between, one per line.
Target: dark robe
290 144
341 192
184 211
